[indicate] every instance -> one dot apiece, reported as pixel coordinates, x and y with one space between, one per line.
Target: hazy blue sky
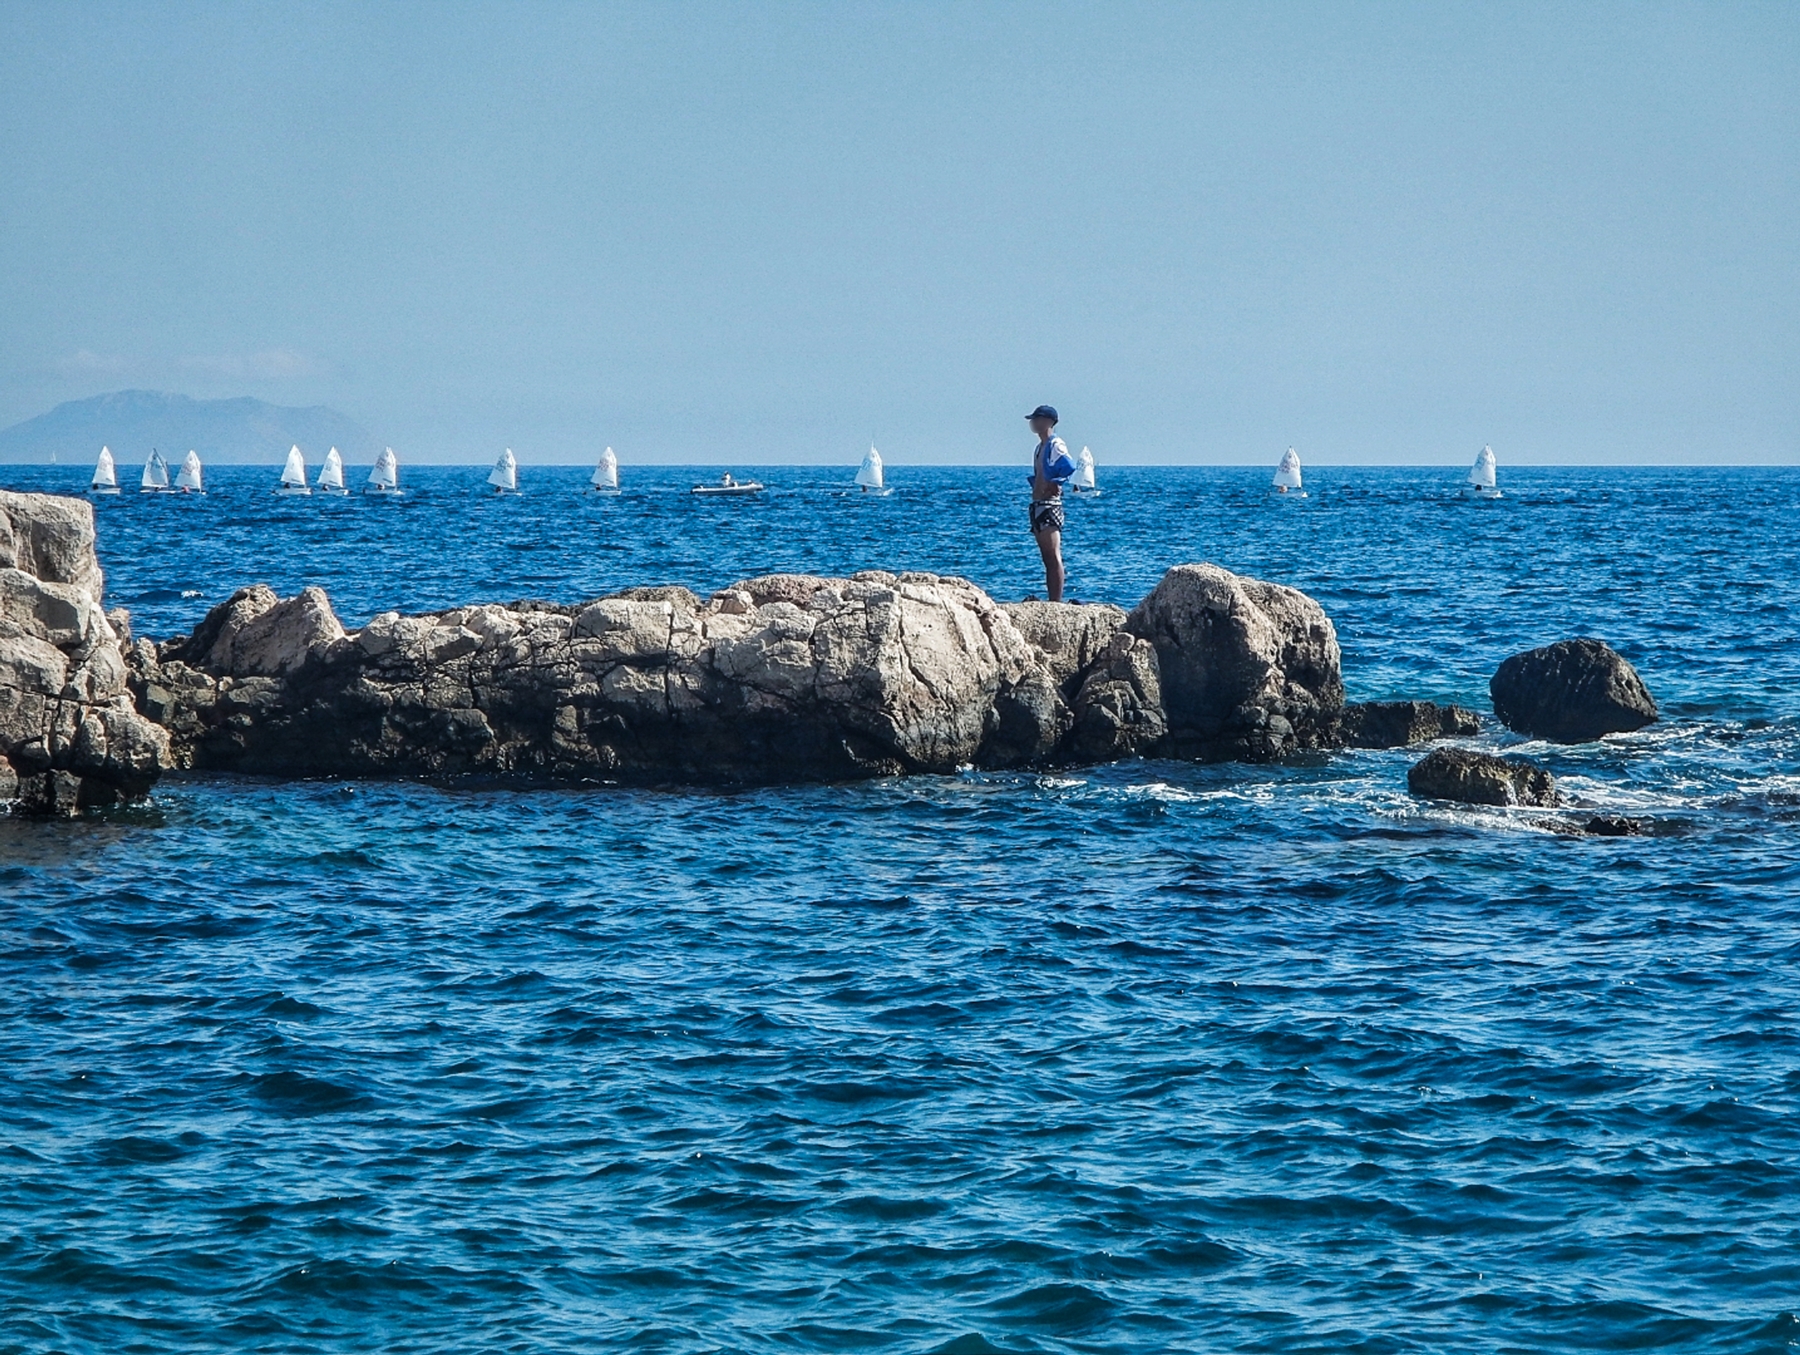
765 232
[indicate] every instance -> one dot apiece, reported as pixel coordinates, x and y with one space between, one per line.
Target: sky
773 233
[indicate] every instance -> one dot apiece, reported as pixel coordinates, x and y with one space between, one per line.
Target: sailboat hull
290 490
103 489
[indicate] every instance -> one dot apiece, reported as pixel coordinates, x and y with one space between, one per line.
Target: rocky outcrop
1574 691
785 677
70 737
1104 677
1481 779
1250 670
256 634
779 678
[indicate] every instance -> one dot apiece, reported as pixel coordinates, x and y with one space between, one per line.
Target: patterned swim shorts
1046 515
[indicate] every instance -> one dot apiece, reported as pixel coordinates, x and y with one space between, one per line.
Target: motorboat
728 486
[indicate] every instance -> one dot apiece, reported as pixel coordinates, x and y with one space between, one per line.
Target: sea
1142 1057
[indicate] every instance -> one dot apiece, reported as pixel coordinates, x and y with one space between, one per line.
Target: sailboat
156 475
1082 481
187 479
106 477
605 478
868 475
331 474
1481 476
504 477
293 475
1287 475
384 475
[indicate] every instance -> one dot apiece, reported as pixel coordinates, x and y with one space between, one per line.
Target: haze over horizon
754 234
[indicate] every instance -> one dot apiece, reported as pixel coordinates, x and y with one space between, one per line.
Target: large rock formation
70 737
1573 691
1481 779
780 678
1250 670
785 677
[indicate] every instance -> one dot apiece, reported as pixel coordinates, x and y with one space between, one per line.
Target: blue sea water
1147 1057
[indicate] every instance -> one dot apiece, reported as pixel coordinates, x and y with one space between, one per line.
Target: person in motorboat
1051 466
725 481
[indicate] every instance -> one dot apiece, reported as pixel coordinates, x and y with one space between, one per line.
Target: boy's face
1042 428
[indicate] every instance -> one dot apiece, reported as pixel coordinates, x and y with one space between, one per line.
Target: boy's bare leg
1050 547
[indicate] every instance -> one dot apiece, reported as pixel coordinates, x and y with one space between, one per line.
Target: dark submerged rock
1573 691
1617 825
1401 724
1469 777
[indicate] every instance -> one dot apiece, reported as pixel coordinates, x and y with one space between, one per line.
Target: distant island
241 431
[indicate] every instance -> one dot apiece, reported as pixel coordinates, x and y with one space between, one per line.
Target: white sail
1083 478
384 475
1481 474
1287 474
868 475
105 475
293 475
331 474
606 474
505 474
156 472
188 477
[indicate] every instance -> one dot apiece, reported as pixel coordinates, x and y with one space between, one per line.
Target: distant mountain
223 431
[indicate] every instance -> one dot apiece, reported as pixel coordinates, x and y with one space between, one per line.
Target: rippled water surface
1148 1057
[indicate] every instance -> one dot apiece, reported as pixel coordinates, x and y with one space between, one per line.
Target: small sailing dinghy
869 475
331 474
1481 476
293 475
727 486
106 475
605 478
187 479
504 477
1287 475
1082 481
156 475
384 475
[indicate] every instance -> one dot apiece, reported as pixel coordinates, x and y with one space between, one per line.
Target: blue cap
1043 412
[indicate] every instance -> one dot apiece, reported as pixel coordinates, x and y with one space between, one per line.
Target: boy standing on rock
1050 466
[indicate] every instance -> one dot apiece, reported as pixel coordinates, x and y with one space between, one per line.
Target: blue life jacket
1055 468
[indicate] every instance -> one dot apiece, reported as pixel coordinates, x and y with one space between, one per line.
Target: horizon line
891 465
